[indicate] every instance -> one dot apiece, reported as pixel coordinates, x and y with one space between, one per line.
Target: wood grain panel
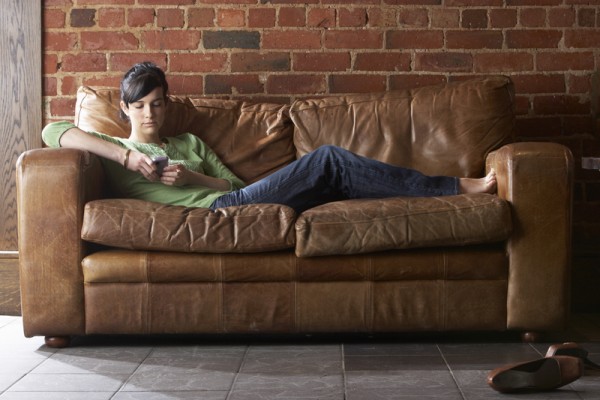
20 101
10 298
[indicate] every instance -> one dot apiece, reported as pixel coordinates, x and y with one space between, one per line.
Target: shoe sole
546 377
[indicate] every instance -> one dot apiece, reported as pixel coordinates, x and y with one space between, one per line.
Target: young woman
195 177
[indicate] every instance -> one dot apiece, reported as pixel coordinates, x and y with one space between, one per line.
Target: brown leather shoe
574 350
537 375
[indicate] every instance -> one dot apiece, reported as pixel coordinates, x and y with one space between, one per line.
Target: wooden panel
20 101
10 299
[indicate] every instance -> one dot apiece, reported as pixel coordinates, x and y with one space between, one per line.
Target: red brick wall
282 49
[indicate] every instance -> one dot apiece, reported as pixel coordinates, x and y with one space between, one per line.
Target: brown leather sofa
92 264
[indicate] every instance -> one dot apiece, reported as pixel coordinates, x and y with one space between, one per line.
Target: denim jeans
331 173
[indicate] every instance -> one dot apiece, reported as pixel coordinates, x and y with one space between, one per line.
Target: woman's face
147 114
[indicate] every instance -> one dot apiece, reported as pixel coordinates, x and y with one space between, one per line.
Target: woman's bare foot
486 184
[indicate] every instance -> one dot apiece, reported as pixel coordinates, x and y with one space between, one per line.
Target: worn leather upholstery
143 225
507 266
364 226
437 130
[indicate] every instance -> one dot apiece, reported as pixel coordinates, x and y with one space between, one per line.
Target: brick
565 61
186 84
108 41
487 39
539 83
474 19
355 17
503 18
123 61
291 39
59 41
49 86
170 18
533 17
503 62
261 17
107 81
166 2
586 17
171 40
54 18
50 64
467 3
233 84
250 61
353 39
560 104
357 83
381 17
443 62
347 2
561 17
83 17
522 105
411 81
321 17
387 61
533 38
111 17
578 125
101 2
231 39
582 38
538 127
69 85
62 106
414 39
198 62
83 62
445 18
511 3
140 17
201 17
230 18
416 18
292 16
414 2
579 83
322 61
296 84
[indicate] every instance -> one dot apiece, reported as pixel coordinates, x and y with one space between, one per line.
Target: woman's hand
141 163
176 175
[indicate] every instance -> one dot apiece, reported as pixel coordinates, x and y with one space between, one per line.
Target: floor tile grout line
237 373
132 373
462 394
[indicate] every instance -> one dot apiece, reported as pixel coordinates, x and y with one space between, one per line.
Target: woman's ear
124 108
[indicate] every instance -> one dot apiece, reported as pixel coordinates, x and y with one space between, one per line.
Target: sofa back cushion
438 130
252 139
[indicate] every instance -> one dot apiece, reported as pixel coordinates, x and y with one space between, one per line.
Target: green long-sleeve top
186 149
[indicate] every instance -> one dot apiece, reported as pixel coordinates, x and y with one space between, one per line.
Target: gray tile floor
247 368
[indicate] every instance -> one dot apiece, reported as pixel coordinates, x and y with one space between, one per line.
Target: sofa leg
530 337
58 341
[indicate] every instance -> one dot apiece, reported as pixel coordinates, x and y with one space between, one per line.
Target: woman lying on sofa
195 177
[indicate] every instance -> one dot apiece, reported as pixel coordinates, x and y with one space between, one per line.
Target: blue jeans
331 173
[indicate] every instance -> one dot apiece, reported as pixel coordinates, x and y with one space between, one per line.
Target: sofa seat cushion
142 225
363 226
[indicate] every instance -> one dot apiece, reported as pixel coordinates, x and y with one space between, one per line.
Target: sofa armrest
537 180
53 186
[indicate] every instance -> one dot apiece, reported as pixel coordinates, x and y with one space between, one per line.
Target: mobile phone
161 162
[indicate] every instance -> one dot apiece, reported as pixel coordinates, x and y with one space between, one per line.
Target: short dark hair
140 80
